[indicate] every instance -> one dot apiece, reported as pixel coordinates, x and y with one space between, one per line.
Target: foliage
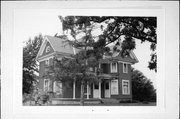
142 88
73 68
116 29
79 66
36 98
30 51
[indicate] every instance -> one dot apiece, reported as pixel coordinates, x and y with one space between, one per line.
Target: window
125 68
114 87
125 87
46 84
107 85
96 86
47 62
113 67
47 49
57 87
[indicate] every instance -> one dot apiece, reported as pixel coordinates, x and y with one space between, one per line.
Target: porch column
99 89
87 90
74 89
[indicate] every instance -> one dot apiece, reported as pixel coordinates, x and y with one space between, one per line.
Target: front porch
105 87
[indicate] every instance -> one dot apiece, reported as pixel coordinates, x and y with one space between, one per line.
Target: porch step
67 101
109 100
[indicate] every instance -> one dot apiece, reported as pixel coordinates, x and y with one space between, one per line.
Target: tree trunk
82 93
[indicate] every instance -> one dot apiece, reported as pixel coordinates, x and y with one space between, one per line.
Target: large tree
82 66
142 87
124 30
115 28
30 51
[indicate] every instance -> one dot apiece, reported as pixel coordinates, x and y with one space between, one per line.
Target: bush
142 88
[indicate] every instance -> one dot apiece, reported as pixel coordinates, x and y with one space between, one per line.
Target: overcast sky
29 23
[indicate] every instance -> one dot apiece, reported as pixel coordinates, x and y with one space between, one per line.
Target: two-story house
114 81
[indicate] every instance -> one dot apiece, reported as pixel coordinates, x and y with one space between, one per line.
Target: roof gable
60 45
116 56
57 45
47 49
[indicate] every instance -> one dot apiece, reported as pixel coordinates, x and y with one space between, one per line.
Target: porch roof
106 76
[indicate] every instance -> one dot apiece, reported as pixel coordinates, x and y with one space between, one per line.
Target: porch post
87 90
74 89
99 89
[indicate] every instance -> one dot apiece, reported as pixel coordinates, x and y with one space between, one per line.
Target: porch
93 101
105 87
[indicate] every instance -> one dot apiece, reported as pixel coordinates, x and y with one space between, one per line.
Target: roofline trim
134 55
41 48
49 42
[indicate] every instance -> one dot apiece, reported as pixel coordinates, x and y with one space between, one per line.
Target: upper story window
125 87
48 49
47 62
113 67
125 68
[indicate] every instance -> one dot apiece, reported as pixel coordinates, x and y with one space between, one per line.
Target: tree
113 30
79 66
142 88
73 69
30 51
124 29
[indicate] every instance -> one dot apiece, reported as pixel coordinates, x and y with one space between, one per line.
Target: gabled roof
58 44
116 56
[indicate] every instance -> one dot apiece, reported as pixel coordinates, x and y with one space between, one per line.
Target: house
115 81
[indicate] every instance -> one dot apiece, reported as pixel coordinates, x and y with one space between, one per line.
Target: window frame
48 84
128 87
60 87
116 67
125 70
47 62
117 86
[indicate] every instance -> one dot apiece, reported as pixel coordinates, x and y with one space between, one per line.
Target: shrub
142 88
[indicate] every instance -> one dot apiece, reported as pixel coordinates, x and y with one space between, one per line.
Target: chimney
61 20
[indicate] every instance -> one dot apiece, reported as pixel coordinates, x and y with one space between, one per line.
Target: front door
107 89
96 90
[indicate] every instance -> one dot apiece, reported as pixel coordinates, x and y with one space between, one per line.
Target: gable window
113 67
57 87
125 68
46 85
47 49
125 87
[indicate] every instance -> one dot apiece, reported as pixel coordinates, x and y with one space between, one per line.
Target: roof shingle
60 45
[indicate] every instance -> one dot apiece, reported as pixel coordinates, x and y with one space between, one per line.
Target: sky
30 23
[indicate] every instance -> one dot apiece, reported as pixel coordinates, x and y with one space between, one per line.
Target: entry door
107 89
96 90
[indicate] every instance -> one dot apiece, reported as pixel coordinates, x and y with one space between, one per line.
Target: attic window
47 49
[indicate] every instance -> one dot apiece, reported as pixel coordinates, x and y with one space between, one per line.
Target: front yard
93 103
